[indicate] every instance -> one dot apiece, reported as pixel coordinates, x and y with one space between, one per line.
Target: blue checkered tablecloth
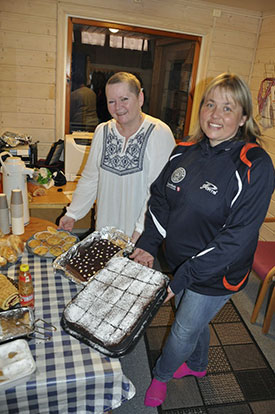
70 376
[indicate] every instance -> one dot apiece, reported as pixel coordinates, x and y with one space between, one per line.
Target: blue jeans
189 338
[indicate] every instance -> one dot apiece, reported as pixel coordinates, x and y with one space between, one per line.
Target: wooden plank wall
28 69
264 66
29 50
234 39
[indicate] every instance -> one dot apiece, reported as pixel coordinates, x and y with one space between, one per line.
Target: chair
264 267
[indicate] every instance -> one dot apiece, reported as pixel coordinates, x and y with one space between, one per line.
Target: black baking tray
127 344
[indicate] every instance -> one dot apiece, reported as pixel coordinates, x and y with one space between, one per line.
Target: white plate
16 363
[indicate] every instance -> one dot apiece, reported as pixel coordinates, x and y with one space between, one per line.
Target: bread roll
9 253
36 190
3 241
3 261
16 243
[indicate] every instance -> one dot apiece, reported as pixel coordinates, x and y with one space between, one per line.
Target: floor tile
227 314
196 410
263 407
230 409
243 357
232 333
217 360
156 337
182 393
164 317
153 356
220 389
214 340
257 384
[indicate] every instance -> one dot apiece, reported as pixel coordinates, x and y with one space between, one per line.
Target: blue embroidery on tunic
132 160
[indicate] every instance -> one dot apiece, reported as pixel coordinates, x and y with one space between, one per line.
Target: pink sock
183 370
156 393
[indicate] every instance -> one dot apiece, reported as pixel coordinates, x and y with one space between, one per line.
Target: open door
167 64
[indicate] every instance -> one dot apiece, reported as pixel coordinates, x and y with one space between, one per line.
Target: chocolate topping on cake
88 260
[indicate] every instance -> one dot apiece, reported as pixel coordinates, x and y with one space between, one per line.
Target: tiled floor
239 379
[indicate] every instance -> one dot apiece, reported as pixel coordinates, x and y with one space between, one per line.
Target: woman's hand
170 295
135 237
142 257
66 223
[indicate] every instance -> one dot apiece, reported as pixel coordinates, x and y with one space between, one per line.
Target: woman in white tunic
127 154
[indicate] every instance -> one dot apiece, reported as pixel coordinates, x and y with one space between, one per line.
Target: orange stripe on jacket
187 144
235 288
244 158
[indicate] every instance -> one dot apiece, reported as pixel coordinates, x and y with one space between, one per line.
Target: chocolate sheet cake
114 308
88 260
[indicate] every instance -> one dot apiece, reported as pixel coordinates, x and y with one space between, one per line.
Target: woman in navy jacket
208 204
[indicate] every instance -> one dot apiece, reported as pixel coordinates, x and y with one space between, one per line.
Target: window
93 38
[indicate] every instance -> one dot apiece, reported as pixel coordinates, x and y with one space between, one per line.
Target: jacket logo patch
178 175
173 187
211 188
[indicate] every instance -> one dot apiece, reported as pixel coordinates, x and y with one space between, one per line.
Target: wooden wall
32 89
33 52
28 69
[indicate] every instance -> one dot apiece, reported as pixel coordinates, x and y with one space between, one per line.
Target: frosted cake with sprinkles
88 260
110 306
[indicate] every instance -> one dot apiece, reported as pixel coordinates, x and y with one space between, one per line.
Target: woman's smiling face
220 116
123 104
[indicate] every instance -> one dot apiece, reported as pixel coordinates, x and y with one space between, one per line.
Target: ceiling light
113 30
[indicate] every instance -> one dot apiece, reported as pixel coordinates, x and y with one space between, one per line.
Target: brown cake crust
114 303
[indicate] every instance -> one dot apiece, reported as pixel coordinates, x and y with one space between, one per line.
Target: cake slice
88 260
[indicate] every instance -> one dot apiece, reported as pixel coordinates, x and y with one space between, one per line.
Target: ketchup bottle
25 287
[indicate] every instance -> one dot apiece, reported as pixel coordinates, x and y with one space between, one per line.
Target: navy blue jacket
208 204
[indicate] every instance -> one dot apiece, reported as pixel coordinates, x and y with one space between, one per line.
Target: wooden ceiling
256 5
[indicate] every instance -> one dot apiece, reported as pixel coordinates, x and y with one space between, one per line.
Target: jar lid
24 267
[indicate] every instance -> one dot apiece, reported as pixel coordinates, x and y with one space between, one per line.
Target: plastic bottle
25 287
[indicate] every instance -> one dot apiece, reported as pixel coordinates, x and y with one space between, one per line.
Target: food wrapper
16 323
116 236
12 139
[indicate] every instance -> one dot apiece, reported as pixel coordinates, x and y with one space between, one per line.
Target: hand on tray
142 257
170 295
66 223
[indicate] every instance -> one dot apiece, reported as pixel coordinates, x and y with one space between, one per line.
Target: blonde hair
240 92
129 78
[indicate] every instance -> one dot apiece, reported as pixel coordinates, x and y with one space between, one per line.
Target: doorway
166 63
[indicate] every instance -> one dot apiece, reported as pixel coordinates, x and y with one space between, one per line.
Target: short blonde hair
240 92
129 78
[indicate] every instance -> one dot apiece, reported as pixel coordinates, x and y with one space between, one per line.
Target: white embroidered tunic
118 174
